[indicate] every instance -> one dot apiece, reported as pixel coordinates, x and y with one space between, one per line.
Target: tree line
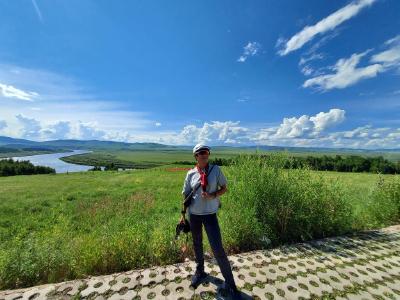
350 163
10 167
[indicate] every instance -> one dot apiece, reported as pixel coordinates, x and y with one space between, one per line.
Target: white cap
200 147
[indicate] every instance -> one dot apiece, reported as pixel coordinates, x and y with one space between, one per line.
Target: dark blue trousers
214 237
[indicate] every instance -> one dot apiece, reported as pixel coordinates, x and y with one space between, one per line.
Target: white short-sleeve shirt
215 179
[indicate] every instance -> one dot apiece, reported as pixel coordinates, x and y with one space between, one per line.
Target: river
53 160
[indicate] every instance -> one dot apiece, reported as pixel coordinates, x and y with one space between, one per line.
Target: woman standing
203 210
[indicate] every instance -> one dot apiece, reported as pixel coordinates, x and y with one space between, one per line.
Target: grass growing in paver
66 226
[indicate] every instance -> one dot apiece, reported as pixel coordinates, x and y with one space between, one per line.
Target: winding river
53 160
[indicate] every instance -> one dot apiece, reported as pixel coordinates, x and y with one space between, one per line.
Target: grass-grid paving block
207 288
353 275
293 290
271 272
360 295
39 292
268 292
179 290
372 273
256 256
127 294
150 275
16 295
70 287
379 266
250 276
393 285
239 261
376 262
271 292
171 272
332 278
381 290
152 292
314 285
286 269
96 285
240 278
393 260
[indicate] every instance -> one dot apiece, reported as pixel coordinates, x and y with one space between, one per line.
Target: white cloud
30 127
302 131
88 131
326 24
10 91
37 10
63 98
314 56
307 70
294 127
157 124
304 126
251 49
324 120
3 124
391 56
345 74
59 130
216 131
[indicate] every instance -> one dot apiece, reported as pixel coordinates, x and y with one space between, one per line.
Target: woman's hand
207 196
182 220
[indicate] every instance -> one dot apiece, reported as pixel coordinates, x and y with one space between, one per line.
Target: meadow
56 227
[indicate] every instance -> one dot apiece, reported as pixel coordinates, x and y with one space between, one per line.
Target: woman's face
202 157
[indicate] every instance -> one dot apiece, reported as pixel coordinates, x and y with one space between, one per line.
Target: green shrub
290 204
384 202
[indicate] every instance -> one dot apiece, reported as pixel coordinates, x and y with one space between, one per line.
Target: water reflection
53 160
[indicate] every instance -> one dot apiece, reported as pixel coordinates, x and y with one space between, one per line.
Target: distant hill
70 144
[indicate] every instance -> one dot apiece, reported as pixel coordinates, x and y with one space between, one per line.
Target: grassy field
65 226
143 159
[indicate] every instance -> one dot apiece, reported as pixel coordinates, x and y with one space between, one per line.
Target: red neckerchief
203 177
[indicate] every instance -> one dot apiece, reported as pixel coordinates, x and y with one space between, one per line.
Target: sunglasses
203 152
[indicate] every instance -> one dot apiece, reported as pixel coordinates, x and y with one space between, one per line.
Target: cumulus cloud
59 130
329 23
30 127
345 74
216 131
9 91
303 126
251 49
301 131
88 131
324 120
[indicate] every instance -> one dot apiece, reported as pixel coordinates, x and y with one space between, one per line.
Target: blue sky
296 73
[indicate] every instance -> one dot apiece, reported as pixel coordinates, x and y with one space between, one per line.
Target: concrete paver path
365 265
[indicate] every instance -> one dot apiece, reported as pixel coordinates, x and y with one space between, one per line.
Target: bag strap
195 189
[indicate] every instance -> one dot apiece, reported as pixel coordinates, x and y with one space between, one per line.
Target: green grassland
148 158
65 226
142 159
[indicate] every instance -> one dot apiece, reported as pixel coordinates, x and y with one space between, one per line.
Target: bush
384 203
288 204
